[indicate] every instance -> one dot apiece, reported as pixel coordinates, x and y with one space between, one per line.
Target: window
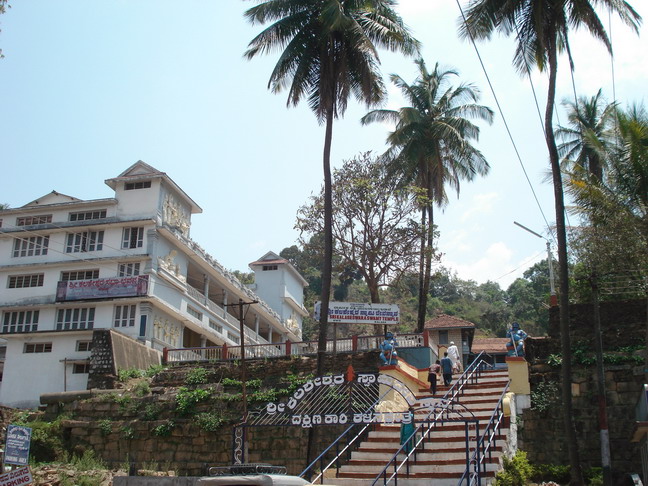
269 267
129 186
20 321
129 269
84 241
82 346
133 238
88 215
80 368
77 318
37 348
233 337
125 315
193 312
216 327
443 337
29 220
22 281
33 246
80 275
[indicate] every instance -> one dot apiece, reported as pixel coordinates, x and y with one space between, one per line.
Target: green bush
197 376
152 411
153 370
105 427
127 374
551 472
545 396
142 389
186 399
165 429
209 421
127 432
517 471
87 462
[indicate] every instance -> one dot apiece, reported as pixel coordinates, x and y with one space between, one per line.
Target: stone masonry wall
146 429
542 432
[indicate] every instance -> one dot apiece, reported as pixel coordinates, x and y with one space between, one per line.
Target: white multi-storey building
68 266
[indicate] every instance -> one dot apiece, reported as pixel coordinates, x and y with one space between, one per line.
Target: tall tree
373 229
329 52
541 29
590 123
431 146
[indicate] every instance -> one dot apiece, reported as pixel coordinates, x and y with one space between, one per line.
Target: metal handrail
483 447
336 459
451 397
352 344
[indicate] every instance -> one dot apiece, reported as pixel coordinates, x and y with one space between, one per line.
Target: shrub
197 376
544 396
105 427
127 374
152 411
127 432
209 421
165 429
517 471
87 462
186 399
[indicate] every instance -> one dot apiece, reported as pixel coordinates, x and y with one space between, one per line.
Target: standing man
446 367
453 354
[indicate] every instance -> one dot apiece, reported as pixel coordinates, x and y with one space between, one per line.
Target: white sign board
17 477
362 313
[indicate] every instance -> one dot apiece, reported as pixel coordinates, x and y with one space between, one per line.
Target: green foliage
127 432
47 443
545 396
269 395
209 421
551 472
554 360
123 401
152 411
105 426
124 375
231 397
165 429
87 462
142 388
153 370
187 399
197 376
517 471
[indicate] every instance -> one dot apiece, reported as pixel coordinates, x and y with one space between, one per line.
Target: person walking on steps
434 372
453 354
446 368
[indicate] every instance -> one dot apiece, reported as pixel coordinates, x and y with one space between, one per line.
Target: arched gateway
345 399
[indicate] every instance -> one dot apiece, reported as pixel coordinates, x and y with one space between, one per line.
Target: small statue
388 354
515 345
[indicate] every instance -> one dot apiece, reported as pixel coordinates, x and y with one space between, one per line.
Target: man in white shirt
453 354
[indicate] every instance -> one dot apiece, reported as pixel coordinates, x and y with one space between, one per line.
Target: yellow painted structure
519 375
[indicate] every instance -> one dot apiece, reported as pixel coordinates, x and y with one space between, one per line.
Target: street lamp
553 300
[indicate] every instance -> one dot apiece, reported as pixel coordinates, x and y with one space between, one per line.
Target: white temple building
68 266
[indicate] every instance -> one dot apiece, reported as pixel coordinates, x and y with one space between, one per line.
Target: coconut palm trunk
563 269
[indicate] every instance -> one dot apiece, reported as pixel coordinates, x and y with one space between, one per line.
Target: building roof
444 321
271 258
489 345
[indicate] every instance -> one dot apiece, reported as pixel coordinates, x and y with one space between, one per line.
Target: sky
89 88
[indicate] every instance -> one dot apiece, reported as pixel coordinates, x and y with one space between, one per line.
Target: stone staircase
442 460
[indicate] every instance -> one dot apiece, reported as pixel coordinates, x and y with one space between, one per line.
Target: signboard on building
17 477
17 445
361 313
102 288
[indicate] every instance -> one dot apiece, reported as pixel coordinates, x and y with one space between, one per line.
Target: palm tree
541 29
431 148
329 53
590 123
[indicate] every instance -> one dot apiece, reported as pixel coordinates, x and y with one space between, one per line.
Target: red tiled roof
489 345
444 321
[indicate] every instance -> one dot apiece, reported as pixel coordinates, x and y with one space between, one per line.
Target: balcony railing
257 351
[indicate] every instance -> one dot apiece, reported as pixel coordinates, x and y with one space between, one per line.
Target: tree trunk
429 252
563 270
422 297
328 245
